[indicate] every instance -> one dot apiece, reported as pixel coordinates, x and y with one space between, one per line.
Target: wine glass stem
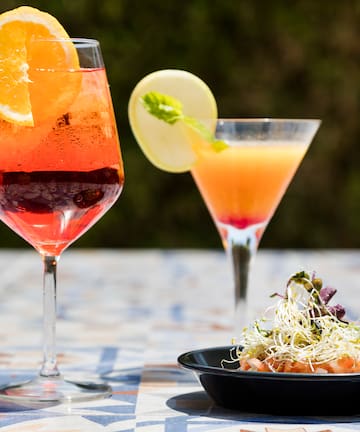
49 367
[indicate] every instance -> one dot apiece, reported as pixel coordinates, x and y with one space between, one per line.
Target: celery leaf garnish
169 109
163 107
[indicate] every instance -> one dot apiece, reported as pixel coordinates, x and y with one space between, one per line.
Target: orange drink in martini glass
242 167
60 163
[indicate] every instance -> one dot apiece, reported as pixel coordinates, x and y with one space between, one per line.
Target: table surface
126 315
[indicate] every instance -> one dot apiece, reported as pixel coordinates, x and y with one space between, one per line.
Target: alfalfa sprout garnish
305 334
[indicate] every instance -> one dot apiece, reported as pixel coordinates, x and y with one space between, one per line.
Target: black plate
270 392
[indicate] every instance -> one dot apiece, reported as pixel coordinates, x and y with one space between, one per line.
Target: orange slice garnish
35 82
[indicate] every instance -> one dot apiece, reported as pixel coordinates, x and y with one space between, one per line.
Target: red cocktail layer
51 209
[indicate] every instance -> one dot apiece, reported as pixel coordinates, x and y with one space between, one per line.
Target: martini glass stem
242 246
49 367
241 257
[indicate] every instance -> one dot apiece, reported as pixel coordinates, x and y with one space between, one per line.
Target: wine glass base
53 390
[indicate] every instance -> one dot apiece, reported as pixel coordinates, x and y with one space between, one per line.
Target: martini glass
57 179
243 184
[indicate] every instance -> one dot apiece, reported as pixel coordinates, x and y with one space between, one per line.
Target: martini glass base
54 390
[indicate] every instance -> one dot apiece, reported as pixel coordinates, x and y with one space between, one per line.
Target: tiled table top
126 315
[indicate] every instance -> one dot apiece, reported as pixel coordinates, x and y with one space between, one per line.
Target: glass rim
85 41
262 120
90 42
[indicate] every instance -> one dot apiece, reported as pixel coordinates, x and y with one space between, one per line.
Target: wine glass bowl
243 183
57 179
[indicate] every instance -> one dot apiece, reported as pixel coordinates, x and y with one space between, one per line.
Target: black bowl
273 392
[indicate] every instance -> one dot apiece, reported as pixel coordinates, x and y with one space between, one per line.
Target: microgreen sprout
304 328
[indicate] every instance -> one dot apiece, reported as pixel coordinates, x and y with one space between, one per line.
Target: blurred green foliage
270 58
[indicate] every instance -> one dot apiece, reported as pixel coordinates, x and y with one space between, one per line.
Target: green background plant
270 58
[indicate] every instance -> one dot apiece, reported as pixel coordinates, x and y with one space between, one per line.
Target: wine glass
243 184
57 179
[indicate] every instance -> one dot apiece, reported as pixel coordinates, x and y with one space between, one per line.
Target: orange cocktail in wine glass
60 163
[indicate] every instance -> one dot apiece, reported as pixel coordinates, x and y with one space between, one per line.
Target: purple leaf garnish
337 310
327 293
